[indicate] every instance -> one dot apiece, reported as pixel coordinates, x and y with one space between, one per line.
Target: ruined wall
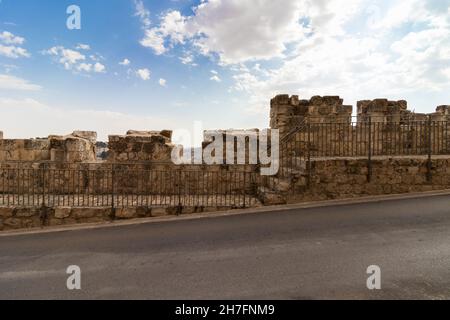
76 147
141 146
286 112
331 130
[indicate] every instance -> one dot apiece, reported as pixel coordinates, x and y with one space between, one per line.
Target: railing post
43 185
113 181
369 153
308 150
430 150
245 187
179 207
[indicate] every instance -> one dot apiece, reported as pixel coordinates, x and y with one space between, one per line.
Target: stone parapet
287 112
70 148
141 146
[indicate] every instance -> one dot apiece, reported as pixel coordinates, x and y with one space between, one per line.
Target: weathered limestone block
53 148
6 212
444 110
141 146
87 135
12 223
288 113
25 212
77 147
382 110
158 212
126 213
62 213
84 213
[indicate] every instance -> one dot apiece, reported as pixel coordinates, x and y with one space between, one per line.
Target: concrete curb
281 208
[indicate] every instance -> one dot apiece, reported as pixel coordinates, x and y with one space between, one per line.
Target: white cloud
162 82
13 52
172 28
236 30
154 40
379 60
142 13
8 38
8 82
75 60
82 46
215 78
99 68
188 59
66 57
9 46
86 67
144 74
125 62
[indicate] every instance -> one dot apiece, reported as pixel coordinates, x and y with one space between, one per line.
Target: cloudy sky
147 64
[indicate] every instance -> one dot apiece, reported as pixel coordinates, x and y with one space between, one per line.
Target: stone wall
13 218
62 171
331 130
287 112
348 178
141 146
76 147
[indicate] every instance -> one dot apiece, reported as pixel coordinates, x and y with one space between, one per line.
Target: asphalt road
319 253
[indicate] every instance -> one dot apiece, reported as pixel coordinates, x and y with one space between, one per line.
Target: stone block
62 213
126 213
25 212
12 223
158 212
88 135
83 213
6 212
280 99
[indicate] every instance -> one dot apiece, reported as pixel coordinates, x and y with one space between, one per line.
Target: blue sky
145 64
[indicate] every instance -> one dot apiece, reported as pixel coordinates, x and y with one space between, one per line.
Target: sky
153 65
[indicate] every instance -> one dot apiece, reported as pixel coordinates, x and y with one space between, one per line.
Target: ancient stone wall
330 130
287 113
325 156
141 146
76 147
347 178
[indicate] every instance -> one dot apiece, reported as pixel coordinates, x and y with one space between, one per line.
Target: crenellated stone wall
76 147
138 178
287 112
331 130
141 146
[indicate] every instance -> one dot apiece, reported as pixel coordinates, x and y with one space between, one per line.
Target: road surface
317 253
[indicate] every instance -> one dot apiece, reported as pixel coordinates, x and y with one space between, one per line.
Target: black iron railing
363 137
121 187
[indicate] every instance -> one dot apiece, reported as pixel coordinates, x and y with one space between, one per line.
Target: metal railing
359 139
363 137
122 187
